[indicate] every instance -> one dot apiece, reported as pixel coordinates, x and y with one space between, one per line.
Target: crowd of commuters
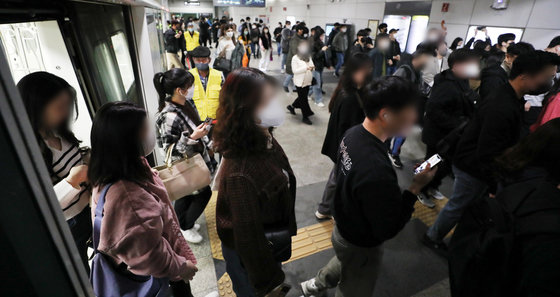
490 111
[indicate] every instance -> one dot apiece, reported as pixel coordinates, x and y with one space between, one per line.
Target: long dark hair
166 83
539 149
346 83
236 133
38 90
455 43
116 146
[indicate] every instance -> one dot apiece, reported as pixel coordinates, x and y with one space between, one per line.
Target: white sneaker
321 216
192 236
213 294
435 194
282 71
321 104
309 289
425 200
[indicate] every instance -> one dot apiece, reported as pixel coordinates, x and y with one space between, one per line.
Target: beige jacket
302 76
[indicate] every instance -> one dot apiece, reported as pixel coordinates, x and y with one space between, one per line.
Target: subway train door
39 46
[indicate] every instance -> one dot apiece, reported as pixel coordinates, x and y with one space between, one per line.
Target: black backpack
481 252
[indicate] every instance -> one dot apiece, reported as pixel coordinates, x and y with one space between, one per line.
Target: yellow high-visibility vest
192 41
207 101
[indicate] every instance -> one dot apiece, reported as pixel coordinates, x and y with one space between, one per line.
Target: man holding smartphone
369 206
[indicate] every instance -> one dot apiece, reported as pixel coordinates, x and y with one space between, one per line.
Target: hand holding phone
433 161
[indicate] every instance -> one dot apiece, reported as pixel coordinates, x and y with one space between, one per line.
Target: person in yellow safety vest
207 83
192 38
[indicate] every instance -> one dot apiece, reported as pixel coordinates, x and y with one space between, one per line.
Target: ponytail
166 83
158 84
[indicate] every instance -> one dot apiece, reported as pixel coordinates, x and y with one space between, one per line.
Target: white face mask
272 115
149 142
190 93
471 70
343 30
229 34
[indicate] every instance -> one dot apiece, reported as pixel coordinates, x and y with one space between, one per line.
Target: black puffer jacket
451 103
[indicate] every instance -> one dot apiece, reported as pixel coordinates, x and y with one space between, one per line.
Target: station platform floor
409 268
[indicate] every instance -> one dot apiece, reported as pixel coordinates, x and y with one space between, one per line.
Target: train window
493 33
124 62
103 37
39 46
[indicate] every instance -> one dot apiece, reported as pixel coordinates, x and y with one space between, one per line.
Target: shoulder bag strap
99 217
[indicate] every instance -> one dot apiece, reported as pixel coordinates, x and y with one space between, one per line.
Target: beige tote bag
183 177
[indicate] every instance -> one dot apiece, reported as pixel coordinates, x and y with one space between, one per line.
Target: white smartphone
433 161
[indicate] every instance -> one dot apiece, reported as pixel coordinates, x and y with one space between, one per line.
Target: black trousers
444 169
302 103
189 208
81 229
181 289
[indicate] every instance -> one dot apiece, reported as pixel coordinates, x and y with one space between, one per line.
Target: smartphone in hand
433 161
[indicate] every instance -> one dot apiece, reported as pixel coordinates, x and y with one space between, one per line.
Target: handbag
222 64
280 242
185 176
110 280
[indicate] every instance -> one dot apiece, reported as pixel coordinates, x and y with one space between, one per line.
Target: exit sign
445 7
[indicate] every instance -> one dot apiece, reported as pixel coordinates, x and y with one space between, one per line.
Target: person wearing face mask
339 46
230 49
179 125
369 206
451 103
192 38
256 185
265 44
303 67
138 225
245 39
207 83
495 126
320 58
496 75
255 34
49 102
378 55
456 44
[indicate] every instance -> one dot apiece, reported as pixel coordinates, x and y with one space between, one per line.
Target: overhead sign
253 3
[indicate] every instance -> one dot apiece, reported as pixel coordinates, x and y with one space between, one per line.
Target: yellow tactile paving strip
309 240
428 215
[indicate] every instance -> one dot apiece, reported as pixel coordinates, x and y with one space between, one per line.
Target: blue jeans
316 89
253 49
279 48
339 61
284 58
466 189
288 81
239 277
391 69
396 144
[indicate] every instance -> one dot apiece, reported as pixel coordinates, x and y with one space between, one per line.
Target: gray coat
294 43
340 42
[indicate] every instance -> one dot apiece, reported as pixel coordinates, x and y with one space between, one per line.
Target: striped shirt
72 200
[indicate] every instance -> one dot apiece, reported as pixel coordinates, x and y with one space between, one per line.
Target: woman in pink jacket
139 225
551 107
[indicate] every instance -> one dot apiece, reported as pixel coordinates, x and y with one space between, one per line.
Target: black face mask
543 88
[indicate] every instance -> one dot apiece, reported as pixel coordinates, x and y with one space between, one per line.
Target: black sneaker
438 247
323 92
286 90
307 121
396 160
291 109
